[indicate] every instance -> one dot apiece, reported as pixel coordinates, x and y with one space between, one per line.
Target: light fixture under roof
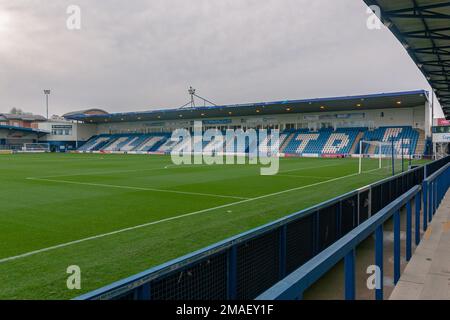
288 109
399 102
359 105
322 107
257 111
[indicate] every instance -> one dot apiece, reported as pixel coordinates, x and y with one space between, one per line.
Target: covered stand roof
23 129
423 27
23 117
352 103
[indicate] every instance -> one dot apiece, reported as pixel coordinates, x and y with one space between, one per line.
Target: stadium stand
406 135
125 142
342 141
324 141
95 143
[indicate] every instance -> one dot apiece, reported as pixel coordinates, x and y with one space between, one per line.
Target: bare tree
15 110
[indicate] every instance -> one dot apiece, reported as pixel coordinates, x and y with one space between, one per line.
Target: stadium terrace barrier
433 190
436 165
247 265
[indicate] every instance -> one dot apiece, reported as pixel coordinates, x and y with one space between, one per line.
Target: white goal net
36 147
377 156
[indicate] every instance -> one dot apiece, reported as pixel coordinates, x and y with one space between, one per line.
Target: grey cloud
137 54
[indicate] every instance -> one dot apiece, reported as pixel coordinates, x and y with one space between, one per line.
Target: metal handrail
293 286
432 190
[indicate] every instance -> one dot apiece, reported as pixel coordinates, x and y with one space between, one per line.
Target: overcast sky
144 54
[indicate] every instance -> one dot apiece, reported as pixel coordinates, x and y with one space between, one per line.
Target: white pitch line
137 188
59 159
296 176
315 167
62 245
170 166
173 166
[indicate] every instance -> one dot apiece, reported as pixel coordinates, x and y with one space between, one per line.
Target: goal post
36 147
376 156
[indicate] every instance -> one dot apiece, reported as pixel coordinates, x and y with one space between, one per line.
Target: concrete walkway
427 275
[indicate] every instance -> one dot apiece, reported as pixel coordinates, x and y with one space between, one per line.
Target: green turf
52 199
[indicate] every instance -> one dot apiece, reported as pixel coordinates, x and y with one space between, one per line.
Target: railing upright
396 246
425 204
408 231
379 261
350 282
232 273
417 222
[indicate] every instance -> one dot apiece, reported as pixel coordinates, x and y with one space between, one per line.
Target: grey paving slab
427 275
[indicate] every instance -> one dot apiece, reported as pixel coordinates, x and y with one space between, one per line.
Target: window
61 130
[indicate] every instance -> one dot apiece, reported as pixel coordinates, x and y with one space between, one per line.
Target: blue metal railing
433 190
244 266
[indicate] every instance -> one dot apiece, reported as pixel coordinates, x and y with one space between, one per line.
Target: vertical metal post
339 218
396 246
316 223
379 260
410 155
380 155
408 230
403 160
232 273
433 198
349 265
360 156
417 222
436 199
282 262
143 292
47 92
430 201
425 204
393 161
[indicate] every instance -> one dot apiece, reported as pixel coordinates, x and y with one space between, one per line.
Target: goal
36 147
377 156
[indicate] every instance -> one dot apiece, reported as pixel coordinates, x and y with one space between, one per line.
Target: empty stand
342 141
404 136
324 141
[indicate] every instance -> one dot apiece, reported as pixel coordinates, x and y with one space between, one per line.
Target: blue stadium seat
302 141
322 142
404 136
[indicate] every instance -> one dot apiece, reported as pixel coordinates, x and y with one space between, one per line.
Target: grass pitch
117 215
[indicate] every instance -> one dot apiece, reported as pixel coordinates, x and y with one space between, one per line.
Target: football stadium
95 205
